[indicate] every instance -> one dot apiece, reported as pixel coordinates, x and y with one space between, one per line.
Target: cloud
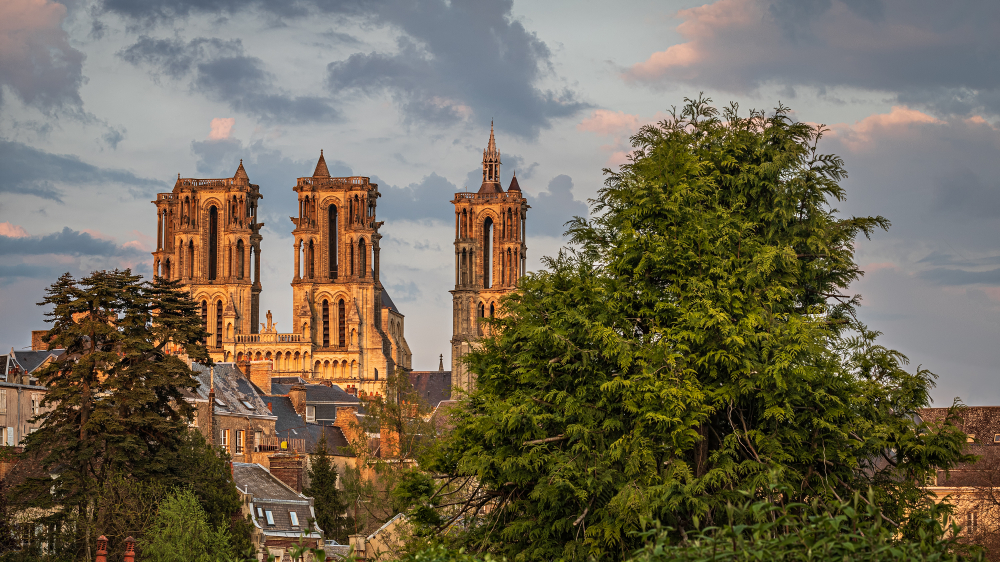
926 53
223 72
550 210
222 127
37 62
12 230
454 62
30 171
67 242
427 199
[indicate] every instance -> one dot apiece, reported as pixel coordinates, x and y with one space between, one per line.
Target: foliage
125 507
115 395
695 347
329 502
182 533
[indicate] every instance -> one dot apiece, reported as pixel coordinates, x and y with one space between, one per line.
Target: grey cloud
28 170
550 210
948 276
928 53
67 242
457 60
222 71
37 62
427 199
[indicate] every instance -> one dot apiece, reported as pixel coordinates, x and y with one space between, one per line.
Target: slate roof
318 393
490 187
290 425
431 386
31 360
513 184
268 493
387 302
261 484
235 392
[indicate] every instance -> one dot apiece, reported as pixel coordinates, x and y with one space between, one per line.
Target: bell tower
489 257
208 237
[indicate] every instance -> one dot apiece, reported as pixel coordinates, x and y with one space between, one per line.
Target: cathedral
346 329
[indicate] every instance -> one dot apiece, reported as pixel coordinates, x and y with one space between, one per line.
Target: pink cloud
899 119
873 267
36 59
222 128
604 122
12 230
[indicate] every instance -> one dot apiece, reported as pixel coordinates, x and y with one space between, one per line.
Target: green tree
330 506
695 347
182 533
116 393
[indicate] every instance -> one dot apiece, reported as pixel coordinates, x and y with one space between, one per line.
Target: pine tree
115 395
329 502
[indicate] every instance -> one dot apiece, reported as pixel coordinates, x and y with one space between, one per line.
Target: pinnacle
241 173
321 170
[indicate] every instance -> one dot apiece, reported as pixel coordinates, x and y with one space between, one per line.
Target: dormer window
294 517
260 513
310 413
269 516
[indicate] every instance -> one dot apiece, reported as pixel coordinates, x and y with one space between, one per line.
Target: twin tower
345 328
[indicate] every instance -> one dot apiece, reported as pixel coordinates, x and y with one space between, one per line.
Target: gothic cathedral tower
338 303
489 257
208 237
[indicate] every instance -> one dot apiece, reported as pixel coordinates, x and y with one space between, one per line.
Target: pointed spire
491 166
241 173
321 170
513 183
492 147
441 363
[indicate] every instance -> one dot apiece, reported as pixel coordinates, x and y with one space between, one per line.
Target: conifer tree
695 349
116 393
330 506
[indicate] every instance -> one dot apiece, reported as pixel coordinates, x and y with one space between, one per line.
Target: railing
165 196
352 180
269 444
269 338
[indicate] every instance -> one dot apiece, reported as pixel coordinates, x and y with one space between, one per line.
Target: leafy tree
115 394
182 533
329 501
125 507
696 347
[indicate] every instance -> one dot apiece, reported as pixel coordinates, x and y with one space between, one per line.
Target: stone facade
345 328
490 254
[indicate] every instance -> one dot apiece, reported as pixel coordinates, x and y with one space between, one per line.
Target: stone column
297 245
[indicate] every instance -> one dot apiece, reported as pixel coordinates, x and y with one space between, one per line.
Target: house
282 517
230 413
386 543
320 401
21 367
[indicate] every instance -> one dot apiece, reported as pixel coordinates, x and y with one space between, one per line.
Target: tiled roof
290 425
31 360
513 184
387 301
431 386
317 392
261 484
490 187
321 170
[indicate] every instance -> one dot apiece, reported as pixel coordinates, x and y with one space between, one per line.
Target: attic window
220 403
260 513
294 517
270 517
996 437
247 404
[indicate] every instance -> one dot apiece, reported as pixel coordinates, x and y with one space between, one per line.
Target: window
36 402
310 413
10 437
3 400
239 442
269 516
971 521
260 513
213 242
258 439
224 440
996 437
294 517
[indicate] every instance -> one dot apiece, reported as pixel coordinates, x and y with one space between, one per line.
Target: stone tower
489 257
208 237
338 302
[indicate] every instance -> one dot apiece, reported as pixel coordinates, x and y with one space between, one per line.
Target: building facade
490 254
345 328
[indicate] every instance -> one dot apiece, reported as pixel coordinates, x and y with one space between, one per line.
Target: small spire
513 184
441 362
241 173
321 170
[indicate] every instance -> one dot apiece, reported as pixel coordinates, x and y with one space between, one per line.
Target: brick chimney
347 421
297 394
289 468
260 375
388 442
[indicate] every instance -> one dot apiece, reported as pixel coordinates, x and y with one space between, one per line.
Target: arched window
213 242
487 252
326 323
312 260
204 315
331 237
463 271
341 324
493 310
190 263
376 374
240 259
218 325
351 257
363 257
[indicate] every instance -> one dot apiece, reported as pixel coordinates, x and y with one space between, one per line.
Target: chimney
289 468
388 442
38 340
130 549
260 375
102 549
347 421
297 394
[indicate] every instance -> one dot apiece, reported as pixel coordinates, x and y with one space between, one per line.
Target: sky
104 102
